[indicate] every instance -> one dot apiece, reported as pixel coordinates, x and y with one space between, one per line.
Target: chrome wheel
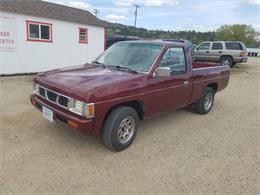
226 62
208 101
126 130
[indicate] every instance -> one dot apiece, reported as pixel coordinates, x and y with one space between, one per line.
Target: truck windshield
130 55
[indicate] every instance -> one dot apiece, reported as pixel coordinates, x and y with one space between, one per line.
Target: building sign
7 34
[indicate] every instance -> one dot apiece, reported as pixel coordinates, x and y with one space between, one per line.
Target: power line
96 11
136 7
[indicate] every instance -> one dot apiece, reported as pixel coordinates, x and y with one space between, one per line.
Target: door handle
207 51
220 52
186 82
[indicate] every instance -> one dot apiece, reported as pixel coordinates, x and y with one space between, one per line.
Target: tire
118 134
226 60
204 105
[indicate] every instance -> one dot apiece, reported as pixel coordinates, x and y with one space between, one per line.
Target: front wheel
204 105
120 128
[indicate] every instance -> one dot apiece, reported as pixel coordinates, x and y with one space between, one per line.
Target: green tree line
237 32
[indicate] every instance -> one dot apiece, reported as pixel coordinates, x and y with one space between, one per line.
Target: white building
37 36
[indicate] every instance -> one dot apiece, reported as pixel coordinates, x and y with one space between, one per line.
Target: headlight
82 108
79 106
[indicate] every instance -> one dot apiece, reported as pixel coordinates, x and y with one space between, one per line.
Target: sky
174 15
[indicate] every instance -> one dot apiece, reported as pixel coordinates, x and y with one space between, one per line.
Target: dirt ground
176 153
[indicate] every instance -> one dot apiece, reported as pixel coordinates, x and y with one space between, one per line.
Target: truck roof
161 42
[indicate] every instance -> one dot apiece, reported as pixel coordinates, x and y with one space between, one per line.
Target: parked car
129 82
227 53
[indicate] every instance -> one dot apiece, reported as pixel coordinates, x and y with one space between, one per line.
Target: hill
195 37
236 32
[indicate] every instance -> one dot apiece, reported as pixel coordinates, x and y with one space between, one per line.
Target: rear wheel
120 128
226 60
204 105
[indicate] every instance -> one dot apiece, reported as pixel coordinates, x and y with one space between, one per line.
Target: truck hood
80 81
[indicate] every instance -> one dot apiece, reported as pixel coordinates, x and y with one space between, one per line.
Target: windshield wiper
99 63
124 68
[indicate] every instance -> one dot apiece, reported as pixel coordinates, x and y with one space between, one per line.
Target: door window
174 58
204 46
217 46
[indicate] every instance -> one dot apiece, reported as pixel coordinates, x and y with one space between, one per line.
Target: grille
63 101
54 97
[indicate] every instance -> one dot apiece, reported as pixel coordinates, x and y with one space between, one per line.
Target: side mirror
162 72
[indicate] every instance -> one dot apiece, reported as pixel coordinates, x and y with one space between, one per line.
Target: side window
204 46
174 58
217 46
83 35
39 31
233 46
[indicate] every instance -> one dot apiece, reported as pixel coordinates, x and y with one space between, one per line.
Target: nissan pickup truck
127 83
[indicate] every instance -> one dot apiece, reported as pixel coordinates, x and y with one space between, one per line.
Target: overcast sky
200 15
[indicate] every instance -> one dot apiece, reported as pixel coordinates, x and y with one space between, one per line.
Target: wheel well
213 86
138 106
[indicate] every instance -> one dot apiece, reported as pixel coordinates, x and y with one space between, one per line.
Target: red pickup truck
129 82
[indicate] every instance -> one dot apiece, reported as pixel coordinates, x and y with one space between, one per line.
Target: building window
39 31
83 35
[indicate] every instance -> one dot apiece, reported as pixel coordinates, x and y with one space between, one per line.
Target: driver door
173 91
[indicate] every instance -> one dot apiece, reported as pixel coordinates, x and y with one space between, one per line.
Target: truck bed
204 74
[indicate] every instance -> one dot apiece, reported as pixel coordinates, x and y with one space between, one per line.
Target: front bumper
80 123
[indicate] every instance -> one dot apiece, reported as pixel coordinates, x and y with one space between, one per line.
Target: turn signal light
72 124
90 110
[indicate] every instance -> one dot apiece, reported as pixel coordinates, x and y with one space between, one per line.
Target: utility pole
136 7
96 11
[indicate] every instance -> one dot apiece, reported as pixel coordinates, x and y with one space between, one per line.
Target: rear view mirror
162 72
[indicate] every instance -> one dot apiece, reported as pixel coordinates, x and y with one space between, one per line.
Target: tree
238 32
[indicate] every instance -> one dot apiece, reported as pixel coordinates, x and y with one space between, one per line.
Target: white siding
65 50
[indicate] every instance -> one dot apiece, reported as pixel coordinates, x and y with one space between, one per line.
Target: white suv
225 52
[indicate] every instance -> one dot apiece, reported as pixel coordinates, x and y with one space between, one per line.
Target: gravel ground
176 153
